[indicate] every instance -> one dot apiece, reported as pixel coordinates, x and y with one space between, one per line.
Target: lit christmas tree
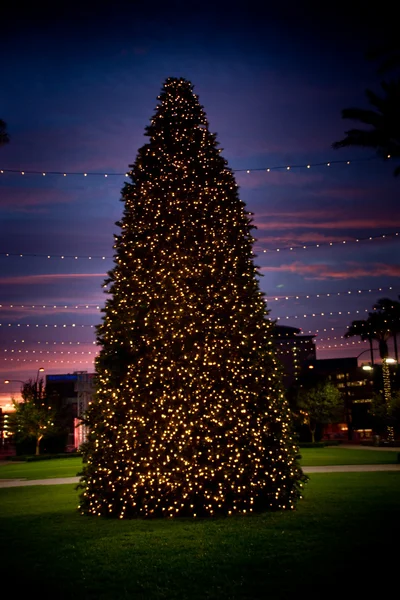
189 417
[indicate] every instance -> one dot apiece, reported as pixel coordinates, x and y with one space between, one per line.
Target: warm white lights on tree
189 418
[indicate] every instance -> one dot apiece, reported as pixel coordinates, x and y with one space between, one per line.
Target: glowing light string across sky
65 172
97 306
257 248
74 325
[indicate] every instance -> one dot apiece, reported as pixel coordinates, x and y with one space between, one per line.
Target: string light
34 325
47 342
52 306
316 331
51 256
336 243
48 361
247 170
339 345
325 314
299 316
326 294
331 347
387 394
89 306
257 247
16 351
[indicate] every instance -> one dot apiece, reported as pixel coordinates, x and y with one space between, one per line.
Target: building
357 387
6 446
293 350
71 394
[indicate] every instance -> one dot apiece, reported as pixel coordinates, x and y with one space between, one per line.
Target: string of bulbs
66 173
75 325
90 306
257 248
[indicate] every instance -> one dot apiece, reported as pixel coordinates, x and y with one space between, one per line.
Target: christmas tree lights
189 417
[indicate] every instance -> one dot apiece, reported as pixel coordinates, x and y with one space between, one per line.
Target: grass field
335 455
69 467
57 467
337 544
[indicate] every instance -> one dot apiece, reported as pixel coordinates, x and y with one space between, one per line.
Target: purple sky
77 93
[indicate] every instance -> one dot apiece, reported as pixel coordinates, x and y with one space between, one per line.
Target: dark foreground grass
61 467
340 543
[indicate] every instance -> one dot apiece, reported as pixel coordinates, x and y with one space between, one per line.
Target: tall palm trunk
371 351
395 346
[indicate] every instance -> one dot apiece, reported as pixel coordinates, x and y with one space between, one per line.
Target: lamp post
14 381
358 356
34 386
37 391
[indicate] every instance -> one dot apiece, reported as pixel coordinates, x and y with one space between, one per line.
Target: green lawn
339 543
43 469
334 455
69 467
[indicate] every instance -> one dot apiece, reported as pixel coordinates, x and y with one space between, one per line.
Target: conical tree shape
189 417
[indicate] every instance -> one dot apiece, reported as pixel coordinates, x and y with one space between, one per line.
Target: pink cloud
21 199
346 271
350 222
276 241
341 192
25 311
45 278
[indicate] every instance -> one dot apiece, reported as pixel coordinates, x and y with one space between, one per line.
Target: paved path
351 468
8 483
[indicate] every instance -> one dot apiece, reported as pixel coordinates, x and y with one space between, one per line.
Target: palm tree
383 121
378 325
4 137
390 310
381 331
363 329
387 53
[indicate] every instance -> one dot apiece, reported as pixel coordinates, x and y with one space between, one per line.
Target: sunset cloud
345 271
45 278
24 199
355 221
9 311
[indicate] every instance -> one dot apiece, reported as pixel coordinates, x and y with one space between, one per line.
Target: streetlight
34 386
361 353
37 389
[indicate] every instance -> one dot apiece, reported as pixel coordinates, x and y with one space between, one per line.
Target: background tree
320 404
379 328
33 417
390 312
385 416
363 329
4 137
382 119
189 417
